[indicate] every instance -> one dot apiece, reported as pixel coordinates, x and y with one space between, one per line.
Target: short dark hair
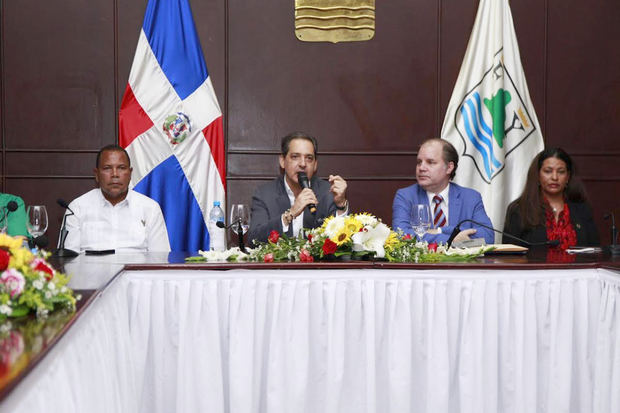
111 148
286 142
448 152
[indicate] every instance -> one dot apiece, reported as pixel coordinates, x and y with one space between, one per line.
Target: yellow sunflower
10 243
352 224
342 236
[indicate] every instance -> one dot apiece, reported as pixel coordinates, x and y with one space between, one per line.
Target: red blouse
561 230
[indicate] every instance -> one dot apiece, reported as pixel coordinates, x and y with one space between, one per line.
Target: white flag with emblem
490 119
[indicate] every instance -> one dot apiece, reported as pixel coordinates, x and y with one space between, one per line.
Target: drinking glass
239 213
37 220
420 219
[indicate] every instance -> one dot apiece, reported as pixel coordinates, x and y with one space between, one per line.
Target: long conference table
531 333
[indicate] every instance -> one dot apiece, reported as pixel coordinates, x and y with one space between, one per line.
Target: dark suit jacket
464 203
270 201
580 218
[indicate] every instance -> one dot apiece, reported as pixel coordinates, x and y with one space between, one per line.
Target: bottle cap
216 203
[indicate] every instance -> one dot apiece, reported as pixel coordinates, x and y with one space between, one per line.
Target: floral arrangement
28 283
359 236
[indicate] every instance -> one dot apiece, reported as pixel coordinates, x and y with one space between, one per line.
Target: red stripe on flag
214 135
132 119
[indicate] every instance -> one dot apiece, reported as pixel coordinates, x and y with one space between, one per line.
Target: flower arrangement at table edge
28 283
361 236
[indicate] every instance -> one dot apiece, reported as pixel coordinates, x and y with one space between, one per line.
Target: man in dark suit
282 204
449 203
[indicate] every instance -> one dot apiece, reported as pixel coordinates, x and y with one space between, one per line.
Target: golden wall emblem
334 20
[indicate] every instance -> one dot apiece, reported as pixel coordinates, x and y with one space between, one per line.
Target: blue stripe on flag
474 141
169 28
186 226
488 141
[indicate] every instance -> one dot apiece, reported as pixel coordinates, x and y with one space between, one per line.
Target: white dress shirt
134 224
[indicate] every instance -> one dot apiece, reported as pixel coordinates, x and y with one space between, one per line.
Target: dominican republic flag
491 119
171 124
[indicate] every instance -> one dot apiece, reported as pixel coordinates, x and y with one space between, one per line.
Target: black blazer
270 201
580 218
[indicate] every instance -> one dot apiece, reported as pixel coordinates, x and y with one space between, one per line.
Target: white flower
51 286
48 295
367 219
38 284
334 225
14 281
224 255
63 289
5 309
372 240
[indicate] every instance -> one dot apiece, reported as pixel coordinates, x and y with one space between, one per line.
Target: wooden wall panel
584 80
351 96
58 74
50 164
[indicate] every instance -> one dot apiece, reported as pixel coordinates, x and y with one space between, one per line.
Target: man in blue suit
449 203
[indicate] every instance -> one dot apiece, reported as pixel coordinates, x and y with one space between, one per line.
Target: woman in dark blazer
553 205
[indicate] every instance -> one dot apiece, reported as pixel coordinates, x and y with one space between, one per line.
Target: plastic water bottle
217 235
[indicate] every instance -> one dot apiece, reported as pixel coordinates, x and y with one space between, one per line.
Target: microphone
62 251
457 229
11 207
239 232
305 183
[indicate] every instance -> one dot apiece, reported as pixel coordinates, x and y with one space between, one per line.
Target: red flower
310 237
329 246
305 256
274 236
407 236
432 246
268 257
4 259
40 265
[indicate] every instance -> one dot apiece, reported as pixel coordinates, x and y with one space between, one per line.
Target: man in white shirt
283 205
113 217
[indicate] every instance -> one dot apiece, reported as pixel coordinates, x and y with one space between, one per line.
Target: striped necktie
439 218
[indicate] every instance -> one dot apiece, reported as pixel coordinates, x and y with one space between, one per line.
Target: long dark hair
531 203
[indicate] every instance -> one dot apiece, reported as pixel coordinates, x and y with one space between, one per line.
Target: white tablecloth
339 341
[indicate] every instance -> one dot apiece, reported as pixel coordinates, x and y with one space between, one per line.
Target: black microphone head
11 206
62 203
220 224
553 242
302 178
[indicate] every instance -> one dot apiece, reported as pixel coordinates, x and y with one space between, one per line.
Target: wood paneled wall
64 67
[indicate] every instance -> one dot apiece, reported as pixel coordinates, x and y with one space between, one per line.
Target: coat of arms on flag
493 120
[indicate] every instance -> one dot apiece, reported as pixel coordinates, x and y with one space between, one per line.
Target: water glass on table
420 219
37 220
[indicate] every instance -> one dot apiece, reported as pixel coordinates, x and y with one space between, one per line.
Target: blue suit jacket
464 203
